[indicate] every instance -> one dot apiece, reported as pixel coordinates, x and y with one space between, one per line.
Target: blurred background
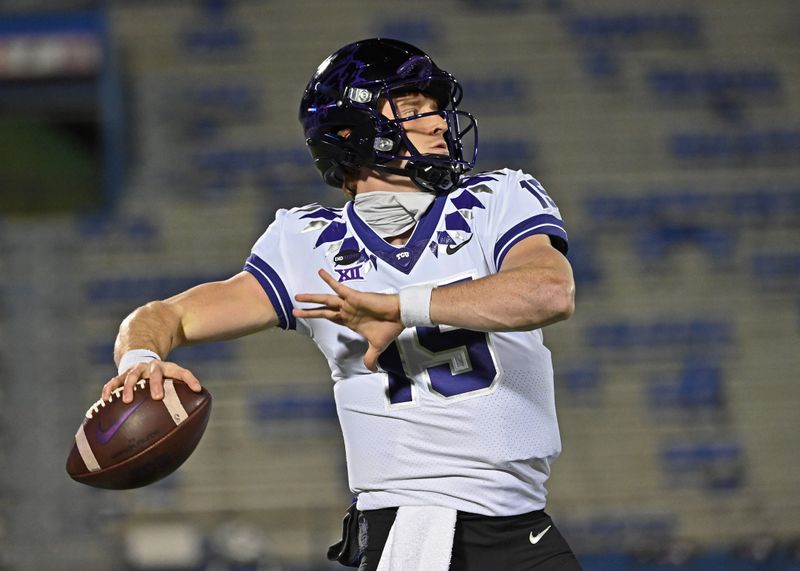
146 144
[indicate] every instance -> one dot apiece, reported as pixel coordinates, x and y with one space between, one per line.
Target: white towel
421 539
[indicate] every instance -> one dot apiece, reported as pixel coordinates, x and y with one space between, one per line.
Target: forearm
519 299
155 326
213 311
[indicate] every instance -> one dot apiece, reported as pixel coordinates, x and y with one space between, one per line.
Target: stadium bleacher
758 83
667 137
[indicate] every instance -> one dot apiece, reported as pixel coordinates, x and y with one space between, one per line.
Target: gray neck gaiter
392 213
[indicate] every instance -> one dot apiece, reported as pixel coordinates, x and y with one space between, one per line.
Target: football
121 446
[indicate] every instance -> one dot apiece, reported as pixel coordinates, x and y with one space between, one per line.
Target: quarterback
426 294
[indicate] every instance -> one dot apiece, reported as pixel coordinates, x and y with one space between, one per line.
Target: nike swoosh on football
535 538
452 250
104 435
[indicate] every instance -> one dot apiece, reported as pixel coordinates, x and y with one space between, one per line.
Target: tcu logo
347 274
403 258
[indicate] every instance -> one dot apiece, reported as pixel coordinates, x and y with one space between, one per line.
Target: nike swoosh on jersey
535 538
104 435
453 249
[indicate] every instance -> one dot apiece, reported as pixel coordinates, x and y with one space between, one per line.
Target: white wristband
134 357
415 305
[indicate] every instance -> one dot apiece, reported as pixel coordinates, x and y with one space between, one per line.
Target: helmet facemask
431 172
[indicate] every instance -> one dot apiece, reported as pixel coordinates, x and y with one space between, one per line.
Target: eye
408 111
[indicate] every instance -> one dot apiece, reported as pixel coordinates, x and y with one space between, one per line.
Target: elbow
561 304
564 308
563 297
557 305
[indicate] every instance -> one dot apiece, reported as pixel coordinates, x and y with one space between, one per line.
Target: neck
400 239
392 215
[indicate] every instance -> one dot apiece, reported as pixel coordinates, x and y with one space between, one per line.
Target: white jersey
454 418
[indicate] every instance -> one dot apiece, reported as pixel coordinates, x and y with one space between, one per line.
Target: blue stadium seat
684 83
678 204
716 465
93 226
214 8
599 33
602 207
270 408
693 334
494 91
220 352
507 5
582 382
233 97
215 39
217 33
715 560
248 160
601 63
140 230
616 26
204 128
513 153
414 31
698 386
740 145
655 243
773 203
777 269
583 258
278 171
136 290
607 533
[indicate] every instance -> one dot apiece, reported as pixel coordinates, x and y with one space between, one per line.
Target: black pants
524 542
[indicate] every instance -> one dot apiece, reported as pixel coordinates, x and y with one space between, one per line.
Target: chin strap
427 177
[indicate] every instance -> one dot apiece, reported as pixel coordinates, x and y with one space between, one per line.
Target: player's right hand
374 316
156 371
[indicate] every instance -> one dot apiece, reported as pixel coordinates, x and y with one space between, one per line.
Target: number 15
459 363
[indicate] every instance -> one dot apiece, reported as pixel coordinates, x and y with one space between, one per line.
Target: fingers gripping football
156 371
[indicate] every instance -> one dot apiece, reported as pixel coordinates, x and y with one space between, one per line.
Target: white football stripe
173 403
85 450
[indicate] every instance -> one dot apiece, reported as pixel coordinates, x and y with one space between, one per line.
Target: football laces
95 408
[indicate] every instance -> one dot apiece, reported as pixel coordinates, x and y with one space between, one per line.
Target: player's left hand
374 316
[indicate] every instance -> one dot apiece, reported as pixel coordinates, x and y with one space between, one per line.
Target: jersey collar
402 258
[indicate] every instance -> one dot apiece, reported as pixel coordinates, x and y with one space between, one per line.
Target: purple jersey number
459 363
465 364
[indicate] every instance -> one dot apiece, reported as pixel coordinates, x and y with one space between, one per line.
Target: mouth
438 155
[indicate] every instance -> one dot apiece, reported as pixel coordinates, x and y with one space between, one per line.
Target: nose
438 124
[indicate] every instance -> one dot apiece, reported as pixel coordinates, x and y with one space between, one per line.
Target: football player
426 294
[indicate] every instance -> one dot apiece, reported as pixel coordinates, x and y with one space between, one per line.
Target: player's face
425 133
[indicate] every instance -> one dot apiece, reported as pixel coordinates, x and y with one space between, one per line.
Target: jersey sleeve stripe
541 224
275 290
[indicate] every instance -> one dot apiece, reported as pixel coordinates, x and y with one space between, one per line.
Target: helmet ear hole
384 144
334 176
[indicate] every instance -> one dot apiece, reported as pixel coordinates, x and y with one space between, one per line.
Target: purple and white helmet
345 93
